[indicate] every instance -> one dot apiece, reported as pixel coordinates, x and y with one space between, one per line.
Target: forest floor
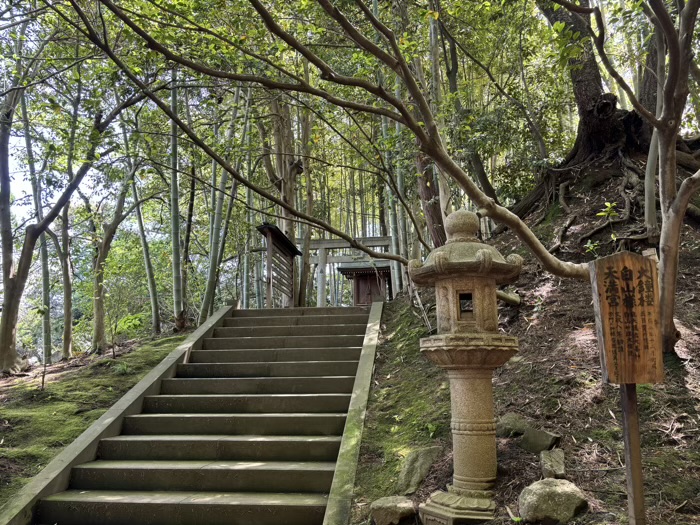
554 382
37 423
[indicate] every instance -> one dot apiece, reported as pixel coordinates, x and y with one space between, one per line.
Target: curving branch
689 187
674 57
401 68
92 35
426 132
300 86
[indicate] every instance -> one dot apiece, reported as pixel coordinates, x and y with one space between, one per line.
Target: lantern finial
462 226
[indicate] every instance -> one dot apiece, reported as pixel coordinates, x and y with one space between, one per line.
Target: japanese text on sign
625 297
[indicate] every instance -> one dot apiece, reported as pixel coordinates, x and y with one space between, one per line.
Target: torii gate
323 245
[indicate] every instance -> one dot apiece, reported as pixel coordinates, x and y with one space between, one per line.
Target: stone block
552 463
511 424
551 501
536 441
415 467
391 510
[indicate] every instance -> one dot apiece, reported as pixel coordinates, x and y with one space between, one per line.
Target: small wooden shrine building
370 280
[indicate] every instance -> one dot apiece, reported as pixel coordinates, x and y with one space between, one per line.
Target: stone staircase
246 433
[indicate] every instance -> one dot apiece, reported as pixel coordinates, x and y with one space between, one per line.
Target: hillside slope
555 382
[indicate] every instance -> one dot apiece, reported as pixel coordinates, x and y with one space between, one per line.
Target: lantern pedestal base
457 507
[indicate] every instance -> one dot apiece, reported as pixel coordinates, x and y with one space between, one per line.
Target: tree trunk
586 82
669 243
99 337
67 277
381 205
305 270
148 264
186 263
401 187
652 93
430 200
178 303
13 286
208 299
443 184
218 239
43 248
473 157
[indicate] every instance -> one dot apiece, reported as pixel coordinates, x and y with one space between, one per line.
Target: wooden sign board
626 303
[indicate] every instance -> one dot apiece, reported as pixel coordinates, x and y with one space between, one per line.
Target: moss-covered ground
36 424
408 406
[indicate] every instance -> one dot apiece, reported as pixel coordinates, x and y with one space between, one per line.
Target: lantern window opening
466 306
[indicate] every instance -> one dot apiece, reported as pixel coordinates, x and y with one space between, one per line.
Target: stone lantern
466 274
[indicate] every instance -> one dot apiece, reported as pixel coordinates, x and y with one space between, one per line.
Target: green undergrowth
409 406
36 424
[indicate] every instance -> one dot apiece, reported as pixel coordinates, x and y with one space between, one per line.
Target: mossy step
302 424
291 331
279 369
296 341
261 385
276 355
221 447
181 508
248 403
299 312
203 475
359 319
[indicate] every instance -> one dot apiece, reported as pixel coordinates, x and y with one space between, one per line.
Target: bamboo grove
141 142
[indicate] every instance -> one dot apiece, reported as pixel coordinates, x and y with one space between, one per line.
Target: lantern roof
465 255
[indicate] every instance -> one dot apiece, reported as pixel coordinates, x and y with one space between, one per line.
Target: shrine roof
278 238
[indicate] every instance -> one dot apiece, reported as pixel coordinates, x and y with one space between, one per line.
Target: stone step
275 355
180 508
247 403
204 475
296 341
300 312
279 369
301 424
304 320
221 447
336 384
291 331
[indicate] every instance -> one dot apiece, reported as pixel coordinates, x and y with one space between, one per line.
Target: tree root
628 178
562 197
562 232
509 298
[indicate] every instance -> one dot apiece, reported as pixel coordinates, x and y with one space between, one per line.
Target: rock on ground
391 510
552 463
415 467
536 441
551 502
511 424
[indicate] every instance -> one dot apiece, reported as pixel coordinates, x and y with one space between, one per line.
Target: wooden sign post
626 303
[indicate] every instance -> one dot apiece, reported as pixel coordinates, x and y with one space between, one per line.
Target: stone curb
340 497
